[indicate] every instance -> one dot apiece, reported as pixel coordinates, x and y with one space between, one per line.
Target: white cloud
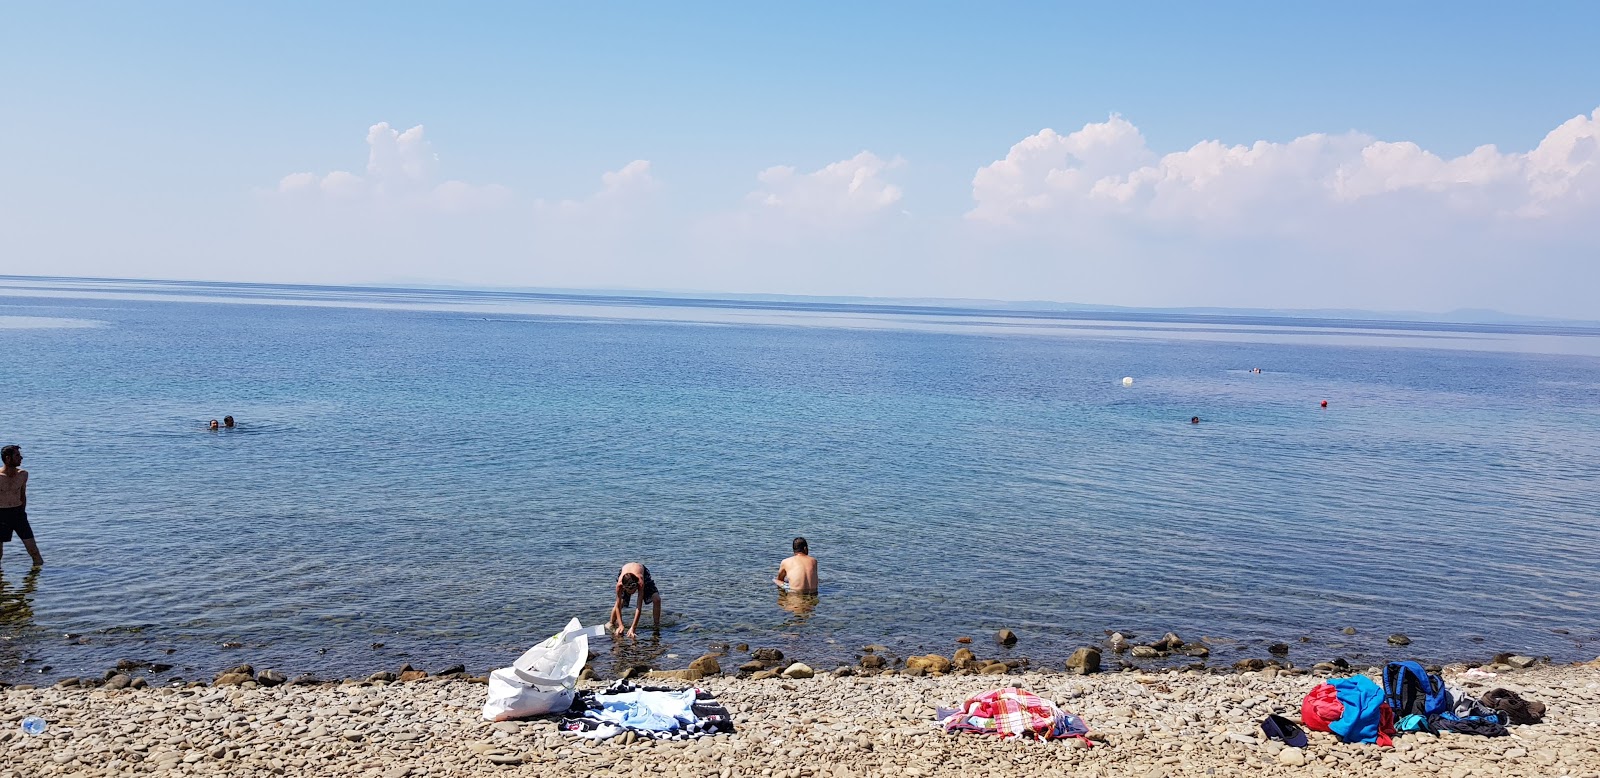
1107 170
617 187
402 167
845 190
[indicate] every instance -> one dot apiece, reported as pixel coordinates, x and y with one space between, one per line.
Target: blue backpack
1411 691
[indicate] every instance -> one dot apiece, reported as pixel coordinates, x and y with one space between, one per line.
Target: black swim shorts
16 520
649 587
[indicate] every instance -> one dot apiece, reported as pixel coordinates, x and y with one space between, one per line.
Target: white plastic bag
543 679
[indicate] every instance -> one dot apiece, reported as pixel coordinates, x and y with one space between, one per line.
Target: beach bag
1411 691
542 680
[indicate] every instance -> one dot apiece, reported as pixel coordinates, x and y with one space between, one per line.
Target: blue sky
164 140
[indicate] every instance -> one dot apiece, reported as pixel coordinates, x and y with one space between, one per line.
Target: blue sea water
453 475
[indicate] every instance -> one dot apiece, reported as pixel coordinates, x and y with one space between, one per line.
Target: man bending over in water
798 572
634 578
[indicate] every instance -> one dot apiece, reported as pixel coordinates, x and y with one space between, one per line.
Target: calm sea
453 475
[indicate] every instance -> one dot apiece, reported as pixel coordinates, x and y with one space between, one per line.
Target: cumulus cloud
848 189
617 187
402 167
1107 169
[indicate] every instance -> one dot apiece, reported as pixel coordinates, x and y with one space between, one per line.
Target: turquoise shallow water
454 475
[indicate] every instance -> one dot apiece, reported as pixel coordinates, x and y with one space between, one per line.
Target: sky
1383 156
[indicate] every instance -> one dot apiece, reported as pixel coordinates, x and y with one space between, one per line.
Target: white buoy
1127 380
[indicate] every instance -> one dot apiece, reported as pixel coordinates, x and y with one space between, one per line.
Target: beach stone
1249 665
742 647
752 667
305 679
270 678
1278 648
1399 639
1292 757
1144 652
963 658
706 665
842 671
1521 662
503 759
1196 650
767 655
798 670
239 670
1118 642
1168 642
995 668
873 662
1348 630
412 675
690 674
230 679
452 670
1006 637
764 675
1084 661
382 675
932 663
118 681
964 639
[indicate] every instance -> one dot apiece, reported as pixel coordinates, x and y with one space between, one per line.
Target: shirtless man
798 572
14 503
634 578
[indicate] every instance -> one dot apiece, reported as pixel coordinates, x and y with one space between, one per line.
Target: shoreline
1169 724
148 665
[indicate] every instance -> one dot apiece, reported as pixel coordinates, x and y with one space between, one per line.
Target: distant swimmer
1256 370
634 579
212 426
14 503
227 421
798 573
1194 419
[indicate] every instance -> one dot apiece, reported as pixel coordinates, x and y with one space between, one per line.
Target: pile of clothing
1411 699
649 712
1011 713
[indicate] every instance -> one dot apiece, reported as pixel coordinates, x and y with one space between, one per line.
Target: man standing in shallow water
14 503
798 572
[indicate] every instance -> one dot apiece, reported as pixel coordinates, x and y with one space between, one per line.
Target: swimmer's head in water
227 421
212 425
11 456
800 547
1194 419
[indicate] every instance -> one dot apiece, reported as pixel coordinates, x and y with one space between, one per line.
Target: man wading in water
634 578
799 572
14 503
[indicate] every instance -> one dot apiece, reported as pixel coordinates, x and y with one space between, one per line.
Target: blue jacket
1362 721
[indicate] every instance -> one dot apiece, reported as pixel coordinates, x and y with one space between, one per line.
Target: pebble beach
844 722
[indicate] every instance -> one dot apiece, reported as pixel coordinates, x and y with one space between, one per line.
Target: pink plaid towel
1013 712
